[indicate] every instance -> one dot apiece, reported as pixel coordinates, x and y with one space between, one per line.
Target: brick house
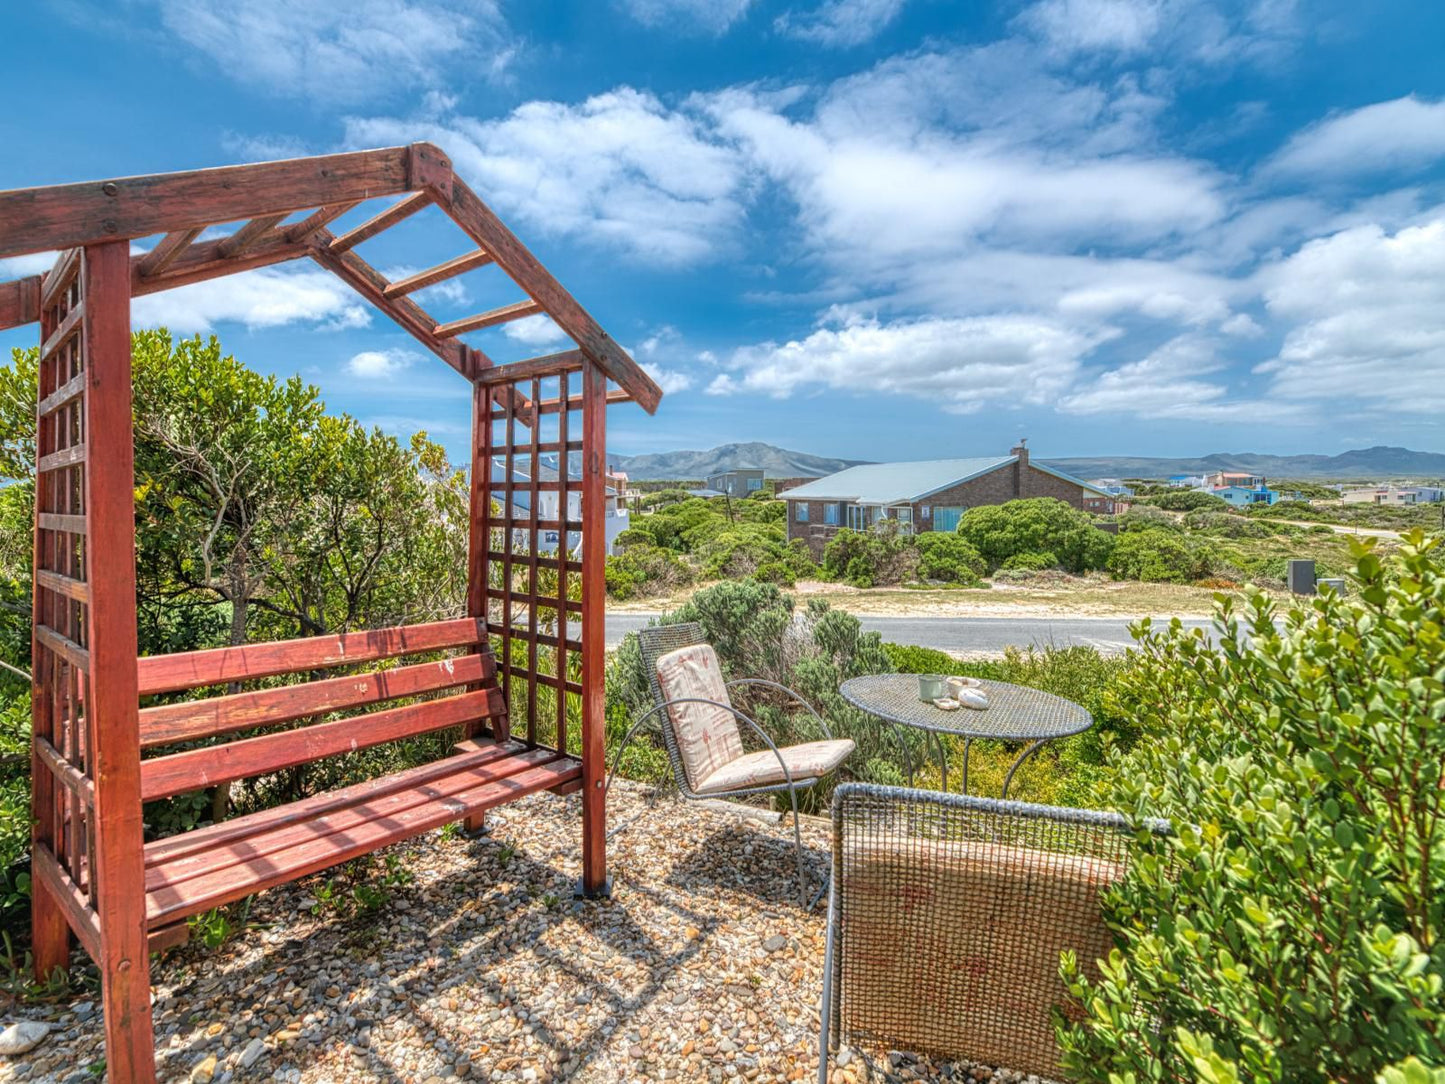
930 495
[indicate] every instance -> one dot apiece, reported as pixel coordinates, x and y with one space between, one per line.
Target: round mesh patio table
1014 713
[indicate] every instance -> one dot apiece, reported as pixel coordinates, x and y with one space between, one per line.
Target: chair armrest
784 689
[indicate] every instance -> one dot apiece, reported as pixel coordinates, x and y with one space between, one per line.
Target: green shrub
1030 561
1036 525
1293 929
1144 518
644 570
910 659
1187 500
873 558
949 557
1158 557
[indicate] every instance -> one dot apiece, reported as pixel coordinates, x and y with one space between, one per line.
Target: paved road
989 635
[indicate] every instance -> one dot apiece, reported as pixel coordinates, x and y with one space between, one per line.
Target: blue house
1242 496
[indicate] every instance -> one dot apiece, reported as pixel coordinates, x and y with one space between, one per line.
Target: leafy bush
1144 518
950 558
643 570
1030 561
875 558
1036 525
1229 525
1158 557
910 659
1187 500
1294 927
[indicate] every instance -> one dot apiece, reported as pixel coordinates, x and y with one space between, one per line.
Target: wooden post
112 702
478 564
594 574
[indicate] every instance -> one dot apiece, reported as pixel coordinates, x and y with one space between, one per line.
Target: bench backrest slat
192 719
218 666
194 769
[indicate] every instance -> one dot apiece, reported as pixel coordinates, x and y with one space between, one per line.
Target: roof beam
487 230
248 235
403 208
440 273
568 361
322 216
506 314
165 252
204 261
64 216
19 302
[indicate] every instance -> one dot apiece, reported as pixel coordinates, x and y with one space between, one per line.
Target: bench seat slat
194 769
503 761
482 790
167 723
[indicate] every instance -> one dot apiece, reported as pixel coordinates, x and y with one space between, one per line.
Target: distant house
736 483
615 519
1241 496
1113 487
1393 495
1225 478
1187 481
931 495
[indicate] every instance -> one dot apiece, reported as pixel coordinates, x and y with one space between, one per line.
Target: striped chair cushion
707 736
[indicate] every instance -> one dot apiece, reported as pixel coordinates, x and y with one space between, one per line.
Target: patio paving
701 968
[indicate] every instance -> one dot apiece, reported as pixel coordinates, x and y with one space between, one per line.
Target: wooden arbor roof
183 205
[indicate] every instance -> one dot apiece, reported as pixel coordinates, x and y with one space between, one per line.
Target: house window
800 512
830 515
754 484
857 517
946 518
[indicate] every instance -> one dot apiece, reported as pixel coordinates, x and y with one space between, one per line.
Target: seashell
943 703
965 683
973 698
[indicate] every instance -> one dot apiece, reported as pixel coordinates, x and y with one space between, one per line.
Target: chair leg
798 846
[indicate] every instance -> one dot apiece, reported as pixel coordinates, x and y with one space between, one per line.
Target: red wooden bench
198 870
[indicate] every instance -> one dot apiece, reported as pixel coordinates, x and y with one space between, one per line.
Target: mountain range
775 462
1379 462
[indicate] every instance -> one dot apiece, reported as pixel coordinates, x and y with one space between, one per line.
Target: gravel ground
701 968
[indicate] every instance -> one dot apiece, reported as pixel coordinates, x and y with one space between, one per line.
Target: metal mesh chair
947 919
659 640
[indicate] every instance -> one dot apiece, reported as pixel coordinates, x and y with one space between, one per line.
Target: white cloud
965 365
697 16
380 364
1404 134
619 169
264 148
535 331
1166 384
1369 314
267 297
340 53
1127 26
19 267
840 23
670 381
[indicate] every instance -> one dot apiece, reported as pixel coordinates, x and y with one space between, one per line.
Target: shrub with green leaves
1293 928
1155 556
1187 500
950 558
1036 525
1030 561
643 570
873 558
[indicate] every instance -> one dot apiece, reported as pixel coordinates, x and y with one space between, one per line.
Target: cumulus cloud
380 364
964 365
1368 315
697 16
535 331
619 169
1404 134
670 381
840 24
1215 32
268 297
340 53
1127 26
1165 384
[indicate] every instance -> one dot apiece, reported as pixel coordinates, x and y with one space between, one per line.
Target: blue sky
866 228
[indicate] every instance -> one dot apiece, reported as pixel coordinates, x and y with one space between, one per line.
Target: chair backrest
951 913
699 711
656 641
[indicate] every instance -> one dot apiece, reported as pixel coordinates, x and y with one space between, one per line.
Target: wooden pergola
532 611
